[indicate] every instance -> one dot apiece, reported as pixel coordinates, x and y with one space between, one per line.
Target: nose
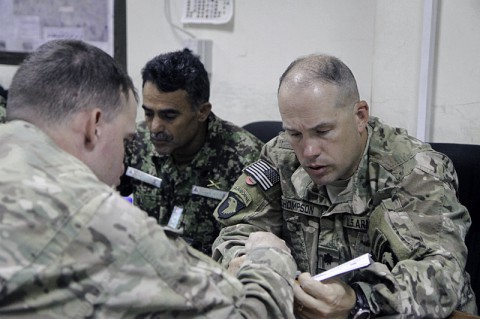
311 148
157 125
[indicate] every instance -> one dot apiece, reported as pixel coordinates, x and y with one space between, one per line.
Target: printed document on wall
27 24
207 11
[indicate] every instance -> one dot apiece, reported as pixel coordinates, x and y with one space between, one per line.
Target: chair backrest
466 160
264 130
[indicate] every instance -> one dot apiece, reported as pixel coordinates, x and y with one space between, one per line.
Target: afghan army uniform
3 110
400 206
72 247
188 196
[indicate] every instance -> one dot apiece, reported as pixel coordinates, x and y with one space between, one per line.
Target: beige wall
380 40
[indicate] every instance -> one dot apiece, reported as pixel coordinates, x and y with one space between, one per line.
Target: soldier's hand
235 264
265 239
331 298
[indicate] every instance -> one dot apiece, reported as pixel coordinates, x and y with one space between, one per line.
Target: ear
93 128
203 111
361 115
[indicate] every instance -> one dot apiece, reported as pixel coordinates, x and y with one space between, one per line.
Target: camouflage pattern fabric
71 247
3 110
227 150
400 206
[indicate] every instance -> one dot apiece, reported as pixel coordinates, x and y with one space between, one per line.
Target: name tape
144 177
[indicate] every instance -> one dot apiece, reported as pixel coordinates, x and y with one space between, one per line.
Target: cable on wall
175 28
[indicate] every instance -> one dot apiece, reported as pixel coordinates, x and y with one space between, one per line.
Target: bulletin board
27 24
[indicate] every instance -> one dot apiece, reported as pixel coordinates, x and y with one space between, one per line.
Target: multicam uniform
71 247
400 206
194 191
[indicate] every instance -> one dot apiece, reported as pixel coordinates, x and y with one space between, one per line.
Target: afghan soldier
338 184
191 156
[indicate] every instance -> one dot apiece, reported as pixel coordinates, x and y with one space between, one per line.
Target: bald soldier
338 184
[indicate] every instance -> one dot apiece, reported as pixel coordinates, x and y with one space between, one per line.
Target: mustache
161 137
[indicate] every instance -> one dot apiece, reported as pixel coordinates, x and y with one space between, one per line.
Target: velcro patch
300 207
231 205
264 174
382 250
356 222
244 195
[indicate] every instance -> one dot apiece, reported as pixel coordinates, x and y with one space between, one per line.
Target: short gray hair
323 68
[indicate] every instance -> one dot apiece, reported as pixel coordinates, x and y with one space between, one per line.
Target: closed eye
293 134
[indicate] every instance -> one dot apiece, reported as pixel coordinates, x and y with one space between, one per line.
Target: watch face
362 314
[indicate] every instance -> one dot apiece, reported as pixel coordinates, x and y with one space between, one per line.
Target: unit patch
237 199
382 251
264 174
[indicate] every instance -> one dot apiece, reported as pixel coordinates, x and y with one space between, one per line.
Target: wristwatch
361 310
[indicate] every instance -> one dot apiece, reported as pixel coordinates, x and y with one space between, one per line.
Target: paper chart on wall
27 24
207 11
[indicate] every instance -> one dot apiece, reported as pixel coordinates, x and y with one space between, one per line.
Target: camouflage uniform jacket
400 206
217 165
71 247
3 110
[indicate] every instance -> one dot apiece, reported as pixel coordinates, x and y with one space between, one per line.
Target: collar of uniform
301 182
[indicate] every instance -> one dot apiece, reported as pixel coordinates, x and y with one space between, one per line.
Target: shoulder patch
230 205
264 174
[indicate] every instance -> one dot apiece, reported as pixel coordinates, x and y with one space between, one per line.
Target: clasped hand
255 240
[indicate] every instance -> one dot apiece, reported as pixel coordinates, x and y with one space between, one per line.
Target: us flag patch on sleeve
264 174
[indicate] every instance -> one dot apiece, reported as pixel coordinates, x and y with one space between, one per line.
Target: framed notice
27 24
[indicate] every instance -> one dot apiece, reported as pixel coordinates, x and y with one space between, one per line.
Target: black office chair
264 130
466 160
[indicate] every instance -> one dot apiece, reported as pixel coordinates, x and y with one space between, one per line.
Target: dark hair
63 77
179 70
323 68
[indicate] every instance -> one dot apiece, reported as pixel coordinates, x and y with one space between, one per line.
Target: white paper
207 11
357 263
27 24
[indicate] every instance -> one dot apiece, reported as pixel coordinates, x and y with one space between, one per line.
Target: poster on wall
207 11
27 24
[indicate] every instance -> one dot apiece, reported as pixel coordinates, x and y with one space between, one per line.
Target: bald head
325 69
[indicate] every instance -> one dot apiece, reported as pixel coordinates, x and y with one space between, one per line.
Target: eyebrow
146 108
316 127
160 111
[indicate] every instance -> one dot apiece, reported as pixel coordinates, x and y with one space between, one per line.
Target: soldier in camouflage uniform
338 184
197 155
71 246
